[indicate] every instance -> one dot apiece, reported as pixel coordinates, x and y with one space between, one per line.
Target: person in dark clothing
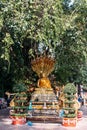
80 99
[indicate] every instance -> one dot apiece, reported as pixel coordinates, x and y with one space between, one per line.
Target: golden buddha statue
44 82
43 66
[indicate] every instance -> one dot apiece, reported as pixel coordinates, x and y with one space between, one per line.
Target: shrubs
69 94
70 89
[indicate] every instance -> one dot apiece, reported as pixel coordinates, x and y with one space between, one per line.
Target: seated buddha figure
43 82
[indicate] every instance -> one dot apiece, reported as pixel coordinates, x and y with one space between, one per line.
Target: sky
71 2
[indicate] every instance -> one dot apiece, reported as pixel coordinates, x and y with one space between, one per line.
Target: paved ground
4 113
5 124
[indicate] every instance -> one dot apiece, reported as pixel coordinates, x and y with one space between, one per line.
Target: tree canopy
26 25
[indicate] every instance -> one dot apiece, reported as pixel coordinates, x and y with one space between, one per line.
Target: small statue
30 106
30 109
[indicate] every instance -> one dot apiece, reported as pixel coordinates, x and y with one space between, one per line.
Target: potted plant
69 118
19 110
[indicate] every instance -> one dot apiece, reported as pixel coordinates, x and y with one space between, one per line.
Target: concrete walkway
5 124
43 126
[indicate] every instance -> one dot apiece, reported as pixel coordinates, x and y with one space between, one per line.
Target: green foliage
22 25
70 115
70 56
20 87
19 115
70 89
27 24
71 52
69 92
41 21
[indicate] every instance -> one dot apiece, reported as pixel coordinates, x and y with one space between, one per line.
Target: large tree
24 25
72 51
58 25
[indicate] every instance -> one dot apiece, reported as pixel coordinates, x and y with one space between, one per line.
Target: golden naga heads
43 65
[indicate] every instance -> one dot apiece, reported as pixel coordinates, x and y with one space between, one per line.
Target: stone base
46 119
